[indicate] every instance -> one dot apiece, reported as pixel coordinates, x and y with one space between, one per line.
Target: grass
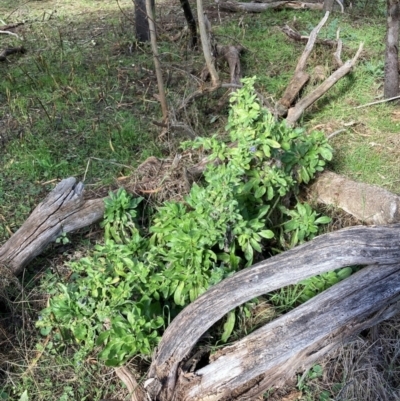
80 103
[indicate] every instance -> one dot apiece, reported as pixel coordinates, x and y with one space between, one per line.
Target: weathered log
274 353
353 246
62 211
368 203
261 7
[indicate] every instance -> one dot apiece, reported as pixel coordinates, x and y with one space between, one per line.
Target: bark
294 342
190 21
348 247
141 22
391 86
63 210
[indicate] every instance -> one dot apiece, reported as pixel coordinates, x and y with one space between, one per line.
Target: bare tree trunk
141 23
391 87
157 64
190 21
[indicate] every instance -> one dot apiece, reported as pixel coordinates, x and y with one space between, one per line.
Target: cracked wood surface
297 340
354 246
63 210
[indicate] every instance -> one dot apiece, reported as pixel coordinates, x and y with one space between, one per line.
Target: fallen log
368 203
62 211
294 342
270 355
355 246
261 7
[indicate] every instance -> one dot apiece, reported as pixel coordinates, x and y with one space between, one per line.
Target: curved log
354 246
295 341
63 210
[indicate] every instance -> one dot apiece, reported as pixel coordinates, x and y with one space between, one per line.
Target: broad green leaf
267 234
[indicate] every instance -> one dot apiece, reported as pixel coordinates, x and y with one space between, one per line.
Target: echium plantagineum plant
125 292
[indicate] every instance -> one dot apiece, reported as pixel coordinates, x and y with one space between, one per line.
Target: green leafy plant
121 295
303 224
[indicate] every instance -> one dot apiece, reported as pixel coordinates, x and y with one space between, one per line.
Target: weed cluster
121 295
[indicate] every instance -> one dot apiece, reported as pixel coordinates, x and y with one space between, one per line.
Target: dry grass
368 368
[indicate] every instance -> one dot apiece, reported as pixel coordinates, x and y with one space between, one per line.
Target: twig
377 102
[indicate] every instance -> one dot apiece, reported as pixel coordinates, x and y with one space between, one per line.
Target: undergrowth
131 286
80 102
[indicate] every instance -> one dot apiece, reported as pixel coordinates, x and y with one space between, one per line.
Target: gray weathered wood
63 210
354 246
368 203
295 341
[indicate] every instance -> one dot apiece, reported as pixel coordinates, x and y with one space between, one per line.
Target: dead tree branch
295 112
300 77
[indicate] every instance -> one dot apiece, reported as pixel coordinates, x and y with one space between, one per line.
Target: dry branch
63 210
295 112
157 64
205 35
354 246
292 34
300 77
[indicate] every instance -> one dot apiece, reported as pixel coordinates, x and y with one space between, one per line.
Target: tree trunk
141 23
391 87
190 21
